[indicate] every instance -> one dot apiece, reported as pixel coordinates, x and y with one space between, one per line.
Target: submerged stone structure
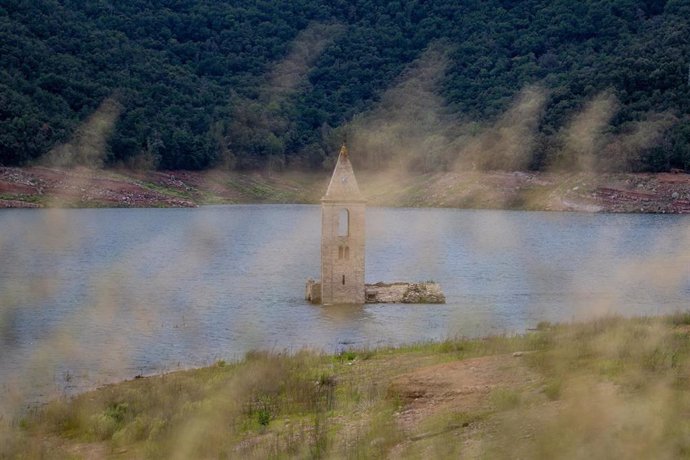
342 250
342 236
427 292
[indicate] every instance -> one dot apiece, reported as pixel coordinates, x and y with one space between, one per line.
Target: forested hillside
182 84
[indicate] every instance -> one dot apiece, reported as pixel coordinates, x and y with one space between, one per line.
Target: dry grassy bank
609 388
81 187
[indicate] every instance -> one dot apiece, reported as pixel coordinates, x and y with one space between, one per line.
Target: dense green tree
194 78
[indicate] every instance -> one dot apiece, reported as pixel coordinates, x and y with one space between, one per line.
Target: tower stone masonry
342 237
343 211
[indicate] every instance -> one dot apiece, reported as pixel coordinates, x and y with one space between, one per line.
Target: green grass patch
34 199
609 386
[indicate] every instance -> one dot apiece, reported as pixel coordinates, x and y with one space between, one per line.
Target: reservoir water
92 296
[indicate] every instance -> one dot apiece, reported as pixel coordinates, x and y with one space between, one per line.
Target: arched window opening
343 222
347 252
340 252
343 280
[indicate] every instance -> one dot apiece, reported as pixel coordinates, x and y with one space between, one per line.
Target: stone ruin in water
342 251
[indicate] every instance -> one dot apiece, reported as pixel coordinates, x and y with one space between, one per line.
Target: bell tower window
343 222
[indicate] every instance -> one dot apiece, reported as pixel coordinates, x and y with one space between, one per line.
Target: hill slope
250 84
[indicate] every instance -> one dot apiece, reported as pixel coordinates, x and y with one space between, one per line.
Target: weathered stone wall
404 293
312 292
342 278
387 293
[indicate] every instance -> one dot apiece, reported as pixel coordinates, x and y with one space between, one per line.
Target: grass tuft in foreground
611 387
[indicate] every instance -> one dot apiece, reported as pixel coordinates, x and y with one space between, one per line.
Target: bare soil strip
81 187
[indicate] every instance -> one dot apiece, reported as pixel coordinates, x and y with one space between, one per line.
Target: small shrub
257 355
505 399
117 411
107 423
61 417
156 427
451 346
347 355
326 380
680 318
103 427
24 424
610 367
656 360
544 325
366 354
552 390
263 417
138 430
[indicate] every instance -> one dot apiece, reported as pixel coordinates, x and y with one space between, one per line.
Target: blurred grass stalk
608 387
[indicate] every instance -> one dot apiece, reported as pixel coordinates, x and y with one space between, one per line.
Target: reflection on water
344 315
95 295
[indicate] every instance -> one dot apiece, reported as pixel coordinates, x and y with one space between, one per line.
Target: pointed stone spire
343 185
343 216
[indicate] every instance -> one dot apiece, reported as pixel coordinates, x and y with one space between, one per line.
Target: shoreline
462 394
41 187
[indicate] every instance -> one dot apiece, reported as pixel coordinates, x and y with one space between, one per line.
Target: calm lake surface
92 296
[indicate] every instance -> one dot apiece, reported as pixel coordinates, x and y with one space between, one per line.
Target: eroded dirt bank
81 187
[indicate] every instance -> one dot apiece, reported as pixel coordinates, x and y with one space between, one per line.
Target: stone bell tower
342 237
